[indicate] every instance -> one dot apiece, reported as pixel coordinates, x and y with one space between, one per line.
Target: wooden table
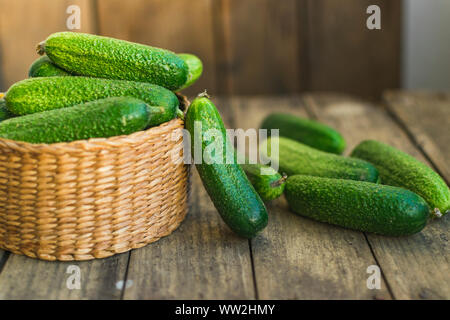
294 257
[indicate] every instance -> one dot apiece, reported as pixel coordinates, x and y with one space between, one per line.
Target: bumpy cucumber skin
309 132
297 158
96 119
268 186
195 68
42 94
399 169
4 112
227 185
358 205
102 57
44 67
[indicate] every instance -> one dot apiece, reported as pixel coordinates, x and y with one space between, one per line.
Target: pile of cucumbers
377 189
87 86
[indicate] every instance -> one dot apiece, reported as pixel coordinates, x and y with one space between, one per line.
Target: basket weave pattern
94 198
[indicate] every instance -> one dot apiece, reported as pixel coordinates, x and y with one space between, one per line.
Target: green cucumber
225 181
42 94
399 169
44 67
102 57
309 132
4 112
195 67
269 184
297 158
358 205
96 119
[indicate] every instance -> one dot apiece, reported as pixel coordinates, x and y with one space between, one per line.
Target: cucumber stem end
204 94
436 213
278 182
40 49
180 114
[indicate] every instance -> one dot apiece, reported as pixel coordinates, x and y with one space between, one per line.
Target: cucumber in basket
96 119
225 181
44 67
103 57
4 112
269 184
297 158
309 132
358 205
399 169
42 94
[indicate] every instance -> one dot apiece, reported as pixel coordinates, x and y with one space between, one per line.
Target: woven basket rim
95 144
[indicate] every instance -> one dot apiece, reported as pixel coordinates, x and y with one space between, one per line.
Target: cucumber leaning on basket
226 183
43 94
103 57
358 205
297 158
399 169
96 119
44 67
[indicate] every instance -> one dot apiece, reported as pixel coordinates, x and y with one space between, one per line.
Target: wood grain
262 46
25 23
26 278
345 56
248 47
426 117
416 267
298 258
203 259
178 25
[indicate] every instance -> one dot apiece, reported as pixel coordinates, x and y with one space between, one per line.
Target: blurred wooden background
248 46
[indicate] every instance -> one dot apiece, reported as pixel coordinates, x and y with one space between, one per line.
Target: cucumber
226 183
44 67
297 158
357 205
42 94
195 67
4 112
102 57
96 119
309 132
399 169
269 185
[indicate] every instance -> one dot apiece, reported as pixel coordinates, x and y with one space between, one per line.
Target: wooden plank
25 23
203 259
178 25
298 258
345 56
426 116
26 278
416 267
261 51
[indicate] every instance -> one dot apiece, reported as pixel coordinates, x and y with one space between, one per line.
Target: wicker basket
93 198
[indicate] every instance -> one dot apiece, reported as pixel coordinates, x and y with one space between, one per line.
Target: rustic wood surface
248 47
294 257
